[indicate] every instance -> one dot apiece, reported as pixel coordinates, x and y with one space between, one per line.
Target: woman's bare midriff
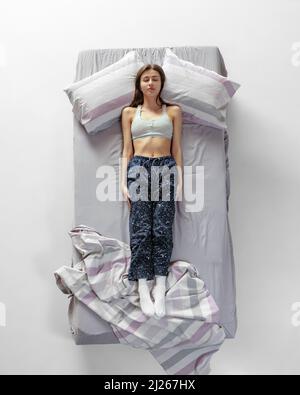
152 146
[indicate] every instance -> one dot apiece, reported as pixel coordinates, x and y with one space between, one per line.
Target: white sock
159 293
145 298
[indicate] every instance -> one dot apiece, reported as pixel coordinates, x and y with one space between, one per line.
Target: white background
39 45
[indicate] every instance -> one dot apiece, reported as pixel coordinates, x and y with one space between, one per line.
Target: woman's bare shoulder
174 107
173 110
129 112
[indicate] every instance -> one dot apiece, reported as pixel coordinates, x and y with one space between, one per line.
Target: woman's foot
147 305
159 294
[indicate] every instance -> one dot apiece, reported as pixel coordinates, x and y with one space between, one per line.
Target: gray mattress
202 238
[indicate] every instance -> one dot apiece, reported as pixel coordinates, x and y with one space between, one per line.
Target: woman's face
150 83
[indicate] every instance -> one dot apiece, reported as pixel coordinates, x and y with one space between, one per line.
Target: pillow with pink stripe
98 99
202 94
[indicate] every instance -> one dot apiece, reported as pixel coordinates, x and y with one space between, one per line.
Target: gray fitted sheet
202 238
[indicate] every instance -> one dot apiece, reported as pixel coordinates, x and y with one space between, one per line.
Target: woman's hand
179 191
126 195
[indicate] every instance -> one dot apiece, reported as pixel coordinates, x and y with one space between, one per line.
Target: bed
202 238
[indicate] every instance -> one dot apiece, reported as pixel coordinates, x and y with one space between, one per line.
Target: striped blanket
183 341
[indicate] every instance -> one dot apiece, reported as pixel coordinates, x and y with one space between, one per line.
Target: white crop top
161 126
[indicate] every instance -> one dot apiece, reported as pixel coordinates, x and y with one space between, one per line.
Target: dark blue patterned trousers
151 182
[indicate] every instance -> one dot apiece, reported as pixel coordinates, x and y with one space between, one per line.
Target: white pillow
202 94
98 99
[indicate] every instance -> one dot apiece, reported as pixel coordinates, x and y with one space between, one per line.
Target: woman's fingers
128 198
179 192
129 203
126 194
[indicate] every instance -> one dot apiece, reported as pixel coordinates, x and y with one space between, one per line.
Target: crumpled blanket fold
183 341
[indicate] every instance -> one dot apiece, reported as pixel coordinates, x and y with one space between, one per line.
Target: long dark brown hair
138 97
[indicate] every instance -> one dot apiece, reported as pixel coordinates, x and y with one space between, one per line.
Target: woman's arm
127 152
176 145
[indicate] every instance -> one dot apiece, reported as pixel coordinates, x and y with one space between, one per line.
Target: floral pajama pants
151 183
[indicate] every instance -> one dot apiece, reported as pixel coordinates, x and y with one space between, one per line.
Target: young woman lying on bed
151 139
